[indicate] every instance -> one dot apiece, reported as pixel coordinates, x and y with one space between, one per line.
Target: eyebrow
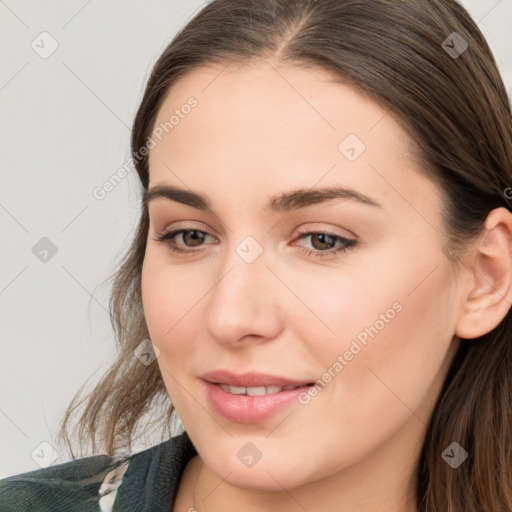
285 202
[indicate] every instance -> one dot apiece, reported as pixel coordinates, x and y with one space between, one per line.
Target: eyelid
182 224
343 233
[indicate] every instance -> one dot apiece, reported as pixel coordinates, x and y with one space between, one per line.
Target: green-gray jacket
143 482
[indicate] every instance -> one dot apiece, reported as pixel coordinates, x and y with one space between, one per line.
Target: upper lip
250 379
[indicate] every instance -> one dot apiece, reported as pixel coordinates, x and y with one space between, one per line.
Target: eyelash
348 243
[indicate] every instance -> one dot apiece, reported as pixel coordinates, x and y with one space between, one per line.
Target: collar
147 481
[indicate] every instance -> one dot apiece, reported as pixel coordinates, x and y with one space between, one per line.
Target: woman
320 282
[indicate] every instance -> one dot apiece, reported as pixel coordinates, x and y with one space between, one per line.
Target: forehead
268 125
265 99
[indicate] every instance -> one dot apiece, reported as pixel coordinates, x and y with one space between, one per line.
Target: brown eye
192 238
324 244
322 241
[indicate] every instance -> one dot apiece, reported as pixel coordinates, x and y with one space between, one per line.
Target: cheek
170 318
394 339
168 303
400 301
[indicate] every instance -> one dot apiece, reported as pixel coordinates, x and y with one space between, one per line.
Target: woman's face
271 295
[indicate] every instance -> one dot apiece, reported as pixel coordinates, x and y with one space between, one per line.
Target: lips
251 379
246 409
251 397
255 390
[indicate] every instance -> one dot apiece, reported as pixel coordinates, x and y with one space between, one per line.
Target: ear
488 297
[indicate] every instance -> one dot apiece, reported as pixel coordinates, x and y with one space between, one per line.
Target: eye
194 236
322 239
324 243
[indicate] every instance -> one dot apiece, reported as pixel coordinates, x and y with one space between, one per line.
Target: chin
261 478
271 472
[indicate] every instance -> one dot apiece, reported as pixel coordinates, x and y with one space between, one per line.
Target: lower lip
250 409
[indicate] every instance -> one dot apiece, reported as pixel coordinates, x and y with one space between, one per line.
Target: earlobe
489 298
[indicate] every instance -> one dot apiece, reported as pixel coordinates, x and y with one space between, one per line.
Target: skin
259 130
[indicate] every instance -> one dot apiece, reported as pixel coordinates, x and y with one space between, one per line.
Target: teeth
259 391
255 391
235 390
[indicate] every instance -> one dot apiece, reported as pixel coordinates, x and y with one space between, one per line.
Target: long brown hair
428 64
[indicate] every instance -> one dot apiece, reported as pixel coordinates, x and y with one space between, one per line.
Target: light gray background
64 131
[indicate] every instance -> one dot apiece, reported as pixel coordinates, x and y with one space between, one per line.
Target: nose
245 302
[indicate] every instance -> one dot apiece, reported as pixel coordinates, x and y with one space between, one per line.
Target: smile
255 391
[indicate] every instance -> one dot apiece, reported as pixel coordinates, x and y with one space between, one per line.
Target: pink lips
250 379
250 409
